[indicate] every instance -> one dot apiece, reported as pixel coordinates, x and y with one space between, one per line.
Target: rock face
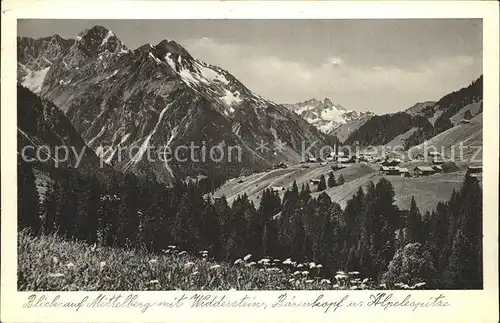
325 115
42 125
156 100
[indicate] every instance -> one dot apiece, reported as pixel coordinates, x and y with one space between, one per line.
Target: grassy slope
401 139
48 263
470 134
255 184
473 108
428 190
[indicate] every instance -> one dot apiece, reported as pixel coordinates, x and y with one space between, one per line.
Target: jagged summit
324 114
170 46
99 39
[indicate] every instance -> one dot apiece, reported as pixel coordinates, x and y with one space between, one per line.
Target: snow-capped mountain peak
324 114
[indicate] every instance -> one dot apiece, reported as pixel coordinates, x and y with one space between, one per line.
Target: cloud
377 88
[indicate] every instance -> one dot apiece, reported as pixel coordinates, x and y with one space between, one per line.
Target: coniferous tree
340 180
211 229
413 224
322 184
94 205
128 226
465 262
49 208
27 203
270 206
66 201
331 180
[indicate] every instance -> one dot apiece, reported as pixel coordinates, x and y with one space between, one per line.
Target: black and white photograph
249 154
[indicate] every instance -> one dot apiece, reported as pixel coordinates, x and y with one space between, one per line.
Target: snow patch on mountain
231 98
105 39
34 79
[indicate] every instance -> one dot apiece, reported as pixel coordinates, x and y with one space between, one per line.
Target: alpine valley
144 202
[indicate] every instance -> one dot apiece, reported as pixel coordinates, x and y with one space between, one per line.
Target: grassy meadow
48 263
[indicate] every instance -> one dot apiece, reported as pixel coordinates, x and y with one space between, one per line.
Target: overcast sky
377 65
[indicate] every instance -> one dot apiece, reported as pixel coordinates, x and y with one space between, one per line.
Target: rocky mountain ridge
128 103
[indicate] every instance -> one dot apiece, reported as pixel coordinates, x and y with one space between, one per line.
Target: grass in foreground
48 263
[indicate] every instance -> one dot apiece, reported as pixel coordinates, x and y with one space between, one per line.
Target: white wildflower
215 267
182 253
296 273
300 266
312 265
194 273
354 273
188 265
291 280
70 265
309 281
247 257
153 261
319 266
55 260
250 264
305 273
238 261
288 261
325 281
366 280
56 275
102 264
154 281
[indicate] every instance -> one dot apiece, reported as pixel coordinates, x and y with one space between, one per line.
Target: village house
423 170
344 159
418 157
314 181
438 168
437 161
389 170
391 162
280 165
277 188
433 154
404 172
474 171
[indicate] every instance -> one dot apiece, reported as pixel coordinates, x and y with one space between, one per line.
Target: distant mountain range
158 95
325 115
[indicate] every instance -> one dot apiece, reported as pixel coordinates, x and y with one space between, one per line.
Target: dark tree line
368 236
380 130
